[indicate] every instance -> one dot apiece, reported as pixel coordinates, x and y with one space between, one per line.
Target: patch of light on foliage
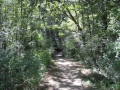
118 43
8 0
71 0
48 9
117 46
87 83
40 36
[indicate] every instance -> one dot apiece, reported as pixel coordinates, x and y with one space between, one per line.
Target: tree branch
71 17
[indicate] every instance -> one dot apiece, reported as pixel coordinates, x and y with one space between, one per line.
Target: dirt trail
66 74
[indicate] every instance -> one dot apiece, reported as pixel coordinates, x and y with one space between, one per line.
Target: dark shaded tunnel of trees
32 31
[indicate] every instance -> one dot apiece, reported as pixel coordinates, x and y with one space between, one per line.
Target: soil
66 74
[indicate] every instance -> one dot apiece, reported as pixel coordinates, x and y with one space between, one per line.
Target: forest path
66 74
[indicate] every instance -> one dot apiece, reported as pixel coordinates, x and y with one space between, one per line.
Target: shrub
18 71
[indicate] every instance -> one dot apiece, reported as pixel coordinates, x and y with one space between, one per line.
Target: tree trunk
105 26
77 24
104 20
0 15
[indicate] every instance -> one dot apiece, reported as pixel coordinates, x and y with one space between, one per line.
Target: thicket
31 31
24 52
94 37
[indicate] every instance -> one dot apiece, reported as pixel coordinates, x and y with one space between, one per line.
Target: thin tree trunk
104 20
0 21
105 26
0 15
77 24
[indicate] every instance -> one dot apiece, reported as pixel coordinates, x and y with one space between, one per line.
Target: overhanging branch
72 18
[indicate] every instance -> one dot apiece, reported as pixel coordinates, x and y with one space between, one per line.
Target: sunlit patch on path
67 74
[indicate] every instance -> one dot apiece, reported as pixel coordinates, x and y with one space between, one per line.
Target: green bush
45 57
18 71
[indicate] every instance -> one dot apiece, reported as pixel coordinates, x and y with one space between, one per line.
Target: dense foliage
32 30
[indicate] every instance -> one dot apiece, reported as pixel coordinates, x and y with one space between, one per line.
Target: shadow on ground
67 74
